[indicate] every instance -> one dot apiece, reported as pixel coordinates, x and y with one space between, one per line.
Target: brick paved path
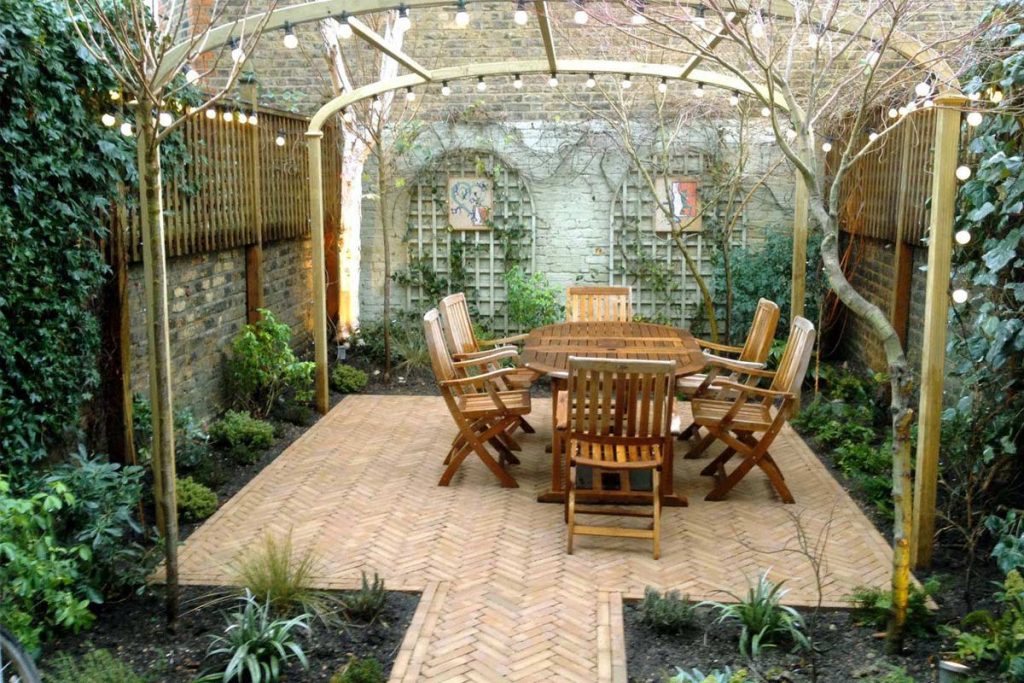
501 599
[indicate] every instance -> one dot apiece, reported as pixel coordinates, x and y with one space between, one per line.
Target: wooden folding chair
598 304
749 423
619 420
482 411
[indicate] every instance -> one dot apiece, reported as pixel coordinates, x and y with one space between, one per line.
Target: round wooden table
548 349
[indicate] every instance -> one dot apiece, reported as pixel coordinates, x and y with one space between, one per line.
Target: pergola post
936 310
801 209
316 219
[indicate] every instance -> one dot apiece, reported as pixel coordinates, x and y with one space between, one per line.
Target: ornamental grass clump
669 613
764 621
283 578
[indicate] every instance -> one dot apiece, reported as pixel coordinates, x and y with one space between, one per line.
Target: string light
996 97
814 37
974 96
461 15
480 84
734 99
279 140
253 119
403 23
228 116
237 53
872 136
114 95
553 81
410 96
211 114
790 134
518 82
663 86
929 103
975 118
346 116
963 172
959 296
580 16
191 75
911 106
766 112
165 119
873 55
591 81
241 117
962 237
108 120
902 111
699 20
344 28
923 89
638 18
521 17
126 129
757 29
445 89
826 146
626 82
893 112
290 40
699 90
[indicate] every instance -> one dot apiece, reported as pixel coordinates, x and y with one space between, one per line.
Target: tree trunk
385 224
160 391
354 155
702 285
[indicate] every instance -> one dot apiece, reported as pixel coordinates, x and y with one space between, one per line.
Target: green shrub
873 607
764 621
725 675
532 302
262 370
347 379
195 501
667 613
1009 532
359 670
191 442
242 436
97 666
282 579
367 603
255 646
997 640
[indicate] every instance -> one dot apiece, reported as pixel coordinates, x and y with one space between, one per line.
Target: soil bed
135 631
848 652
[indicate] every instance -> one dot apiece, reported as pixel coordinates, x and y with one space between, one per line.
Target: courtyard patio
501 599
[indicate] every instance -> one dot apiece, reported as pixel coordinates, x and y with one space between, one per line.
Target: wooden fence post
254 251
801 208
116 328
903 254
316 219
936 310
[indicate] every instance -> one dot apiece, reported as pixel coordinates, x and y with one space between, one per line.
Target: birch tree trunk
354 155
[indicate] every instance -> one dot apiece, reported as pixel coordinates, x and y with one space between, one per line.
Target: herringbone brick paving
503 601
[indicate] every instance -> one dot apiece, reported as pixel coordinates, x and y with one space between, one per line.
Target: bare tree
137 48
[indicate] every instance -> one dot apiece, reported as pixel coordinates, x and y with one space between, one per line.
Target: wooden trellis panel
633 243
430 240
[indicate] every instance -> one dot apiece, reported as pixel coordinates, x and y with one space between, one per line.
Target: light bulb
518 82
929 103
241 117
403 23
461 15
812 40
279 140
346 116
410 96
699 20
873 57
228 116
211 114
126 128
108 120
591 81
553 81
580 16
996 97
626 82
638 20
975 118
826 146
893 112
959 296
445 89
699 90
962 236
766 112
974 96
963 172
911 106
734 99
165 119
922 89
191 75
757 30
791 134
114 95
237 53
663 86
872 136
480 84
521 17
290 41
344 28
902 111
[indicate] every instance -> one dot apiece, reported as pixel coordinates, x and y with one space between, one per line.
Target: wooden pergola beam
545 34
710 44
375 39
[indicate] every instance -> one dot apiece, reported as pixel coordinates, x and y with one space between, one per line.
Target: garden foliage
195 501
97 666
668 613
873 606
367 603
997 640
532 302
281 577
347 379
764 621
242 436
360 671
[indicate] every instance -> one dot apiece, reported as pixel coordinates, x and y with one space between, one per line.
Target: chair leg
570 508
698 449
656 524
526 426
718 463
688 433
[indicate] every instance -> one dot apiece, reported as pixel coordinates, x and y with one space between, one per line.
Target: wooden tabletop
547 349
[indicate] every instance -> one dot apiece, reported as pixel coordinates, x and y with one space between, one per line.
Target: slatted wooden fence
239 186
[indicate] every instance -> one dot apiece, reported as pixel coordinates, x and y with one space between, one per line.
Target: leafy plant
359 670
764 621
998 640
894 674
242 436
347 379
191 442
96 666
367 603
532 302
1009 549
256 646
873 606
262 370
196 502
726 675
669 613
281 577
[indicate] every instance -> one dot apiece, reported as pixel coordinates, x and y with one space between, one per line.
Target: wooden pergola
948 106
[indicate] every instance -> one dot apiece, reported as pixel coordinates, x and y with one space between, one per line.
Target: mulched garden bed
135 631
848 652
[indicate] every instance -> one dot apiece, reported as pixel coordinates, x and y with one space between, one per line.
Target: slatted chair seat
479 405
753 417
598 304
603 455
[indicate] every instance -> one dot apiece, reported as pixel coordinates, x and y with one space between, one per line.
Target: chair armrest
748 365
514 339
482 379
466 355
742 367
748 389
479 359
724 348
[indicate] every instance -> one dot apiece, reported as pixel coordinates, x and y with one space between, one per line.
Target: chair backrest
618 401
440 359
598 304
458 327
761 333
793 366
